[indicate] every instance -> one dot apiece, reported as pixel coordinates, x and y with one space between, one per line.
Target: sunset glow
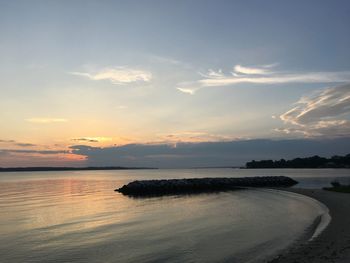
125 80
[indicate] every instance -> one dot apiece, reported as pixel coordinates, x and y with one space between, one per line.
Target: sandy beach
333 244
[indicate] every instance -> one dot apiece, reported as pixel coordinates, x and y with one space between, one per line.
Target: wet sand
333 244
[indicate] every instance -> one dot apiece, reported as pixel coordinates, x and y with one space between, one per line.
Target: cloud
21 144
84 140
117 75
7 141
25 144
192 136
224 153
92 139
213 74
326 112
188 90
260 75
251 70
46 120
317 77
34 151
27 158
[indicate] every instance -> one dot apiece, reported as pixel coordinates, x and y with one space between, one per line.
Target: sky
139 83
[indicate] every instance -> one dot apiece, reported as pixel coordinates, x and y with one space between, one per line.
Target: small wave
322 220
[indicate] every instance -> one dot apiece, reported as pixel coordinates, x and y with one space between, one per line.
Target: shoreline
332 244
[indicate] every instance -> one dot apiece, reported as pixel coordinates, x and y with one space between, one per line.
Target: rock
196 185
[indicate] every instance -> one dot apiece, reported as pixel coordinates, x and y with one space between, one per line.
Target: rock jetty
196 185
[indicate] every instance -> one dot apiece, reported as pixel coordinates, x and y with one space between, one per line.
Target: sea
76 216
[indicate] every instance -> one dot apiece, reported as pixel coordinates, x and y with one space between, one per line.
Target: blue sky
111 73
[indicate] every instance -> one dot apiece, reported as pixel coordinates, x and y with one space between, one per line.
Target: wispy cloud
7 141
251 70
46 120
84 140
260 75
92 139
193 136
117 75
25 144
326 112
15 143
188 90
21 151
213 74
317 77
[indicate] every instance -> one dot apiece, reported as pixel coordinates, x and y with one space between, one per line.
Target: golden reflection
67 205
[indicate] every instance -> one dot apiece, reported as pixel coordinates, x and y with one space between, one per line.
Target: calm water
77 217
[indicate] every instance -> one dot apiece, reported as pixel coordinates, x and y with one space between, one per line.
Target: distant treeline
308 162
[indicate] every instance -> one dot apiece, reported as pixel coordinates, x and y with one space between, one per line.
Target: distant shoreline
288 168
315 161
48 169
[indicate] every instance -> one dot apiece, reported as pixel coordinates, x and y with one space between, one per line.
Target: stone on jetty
195 185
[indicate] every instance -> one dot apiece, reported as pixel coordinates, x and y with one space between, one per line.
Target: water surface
77 217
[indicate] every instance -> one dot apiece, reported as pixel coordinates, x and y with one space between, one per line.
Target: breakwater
197 185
